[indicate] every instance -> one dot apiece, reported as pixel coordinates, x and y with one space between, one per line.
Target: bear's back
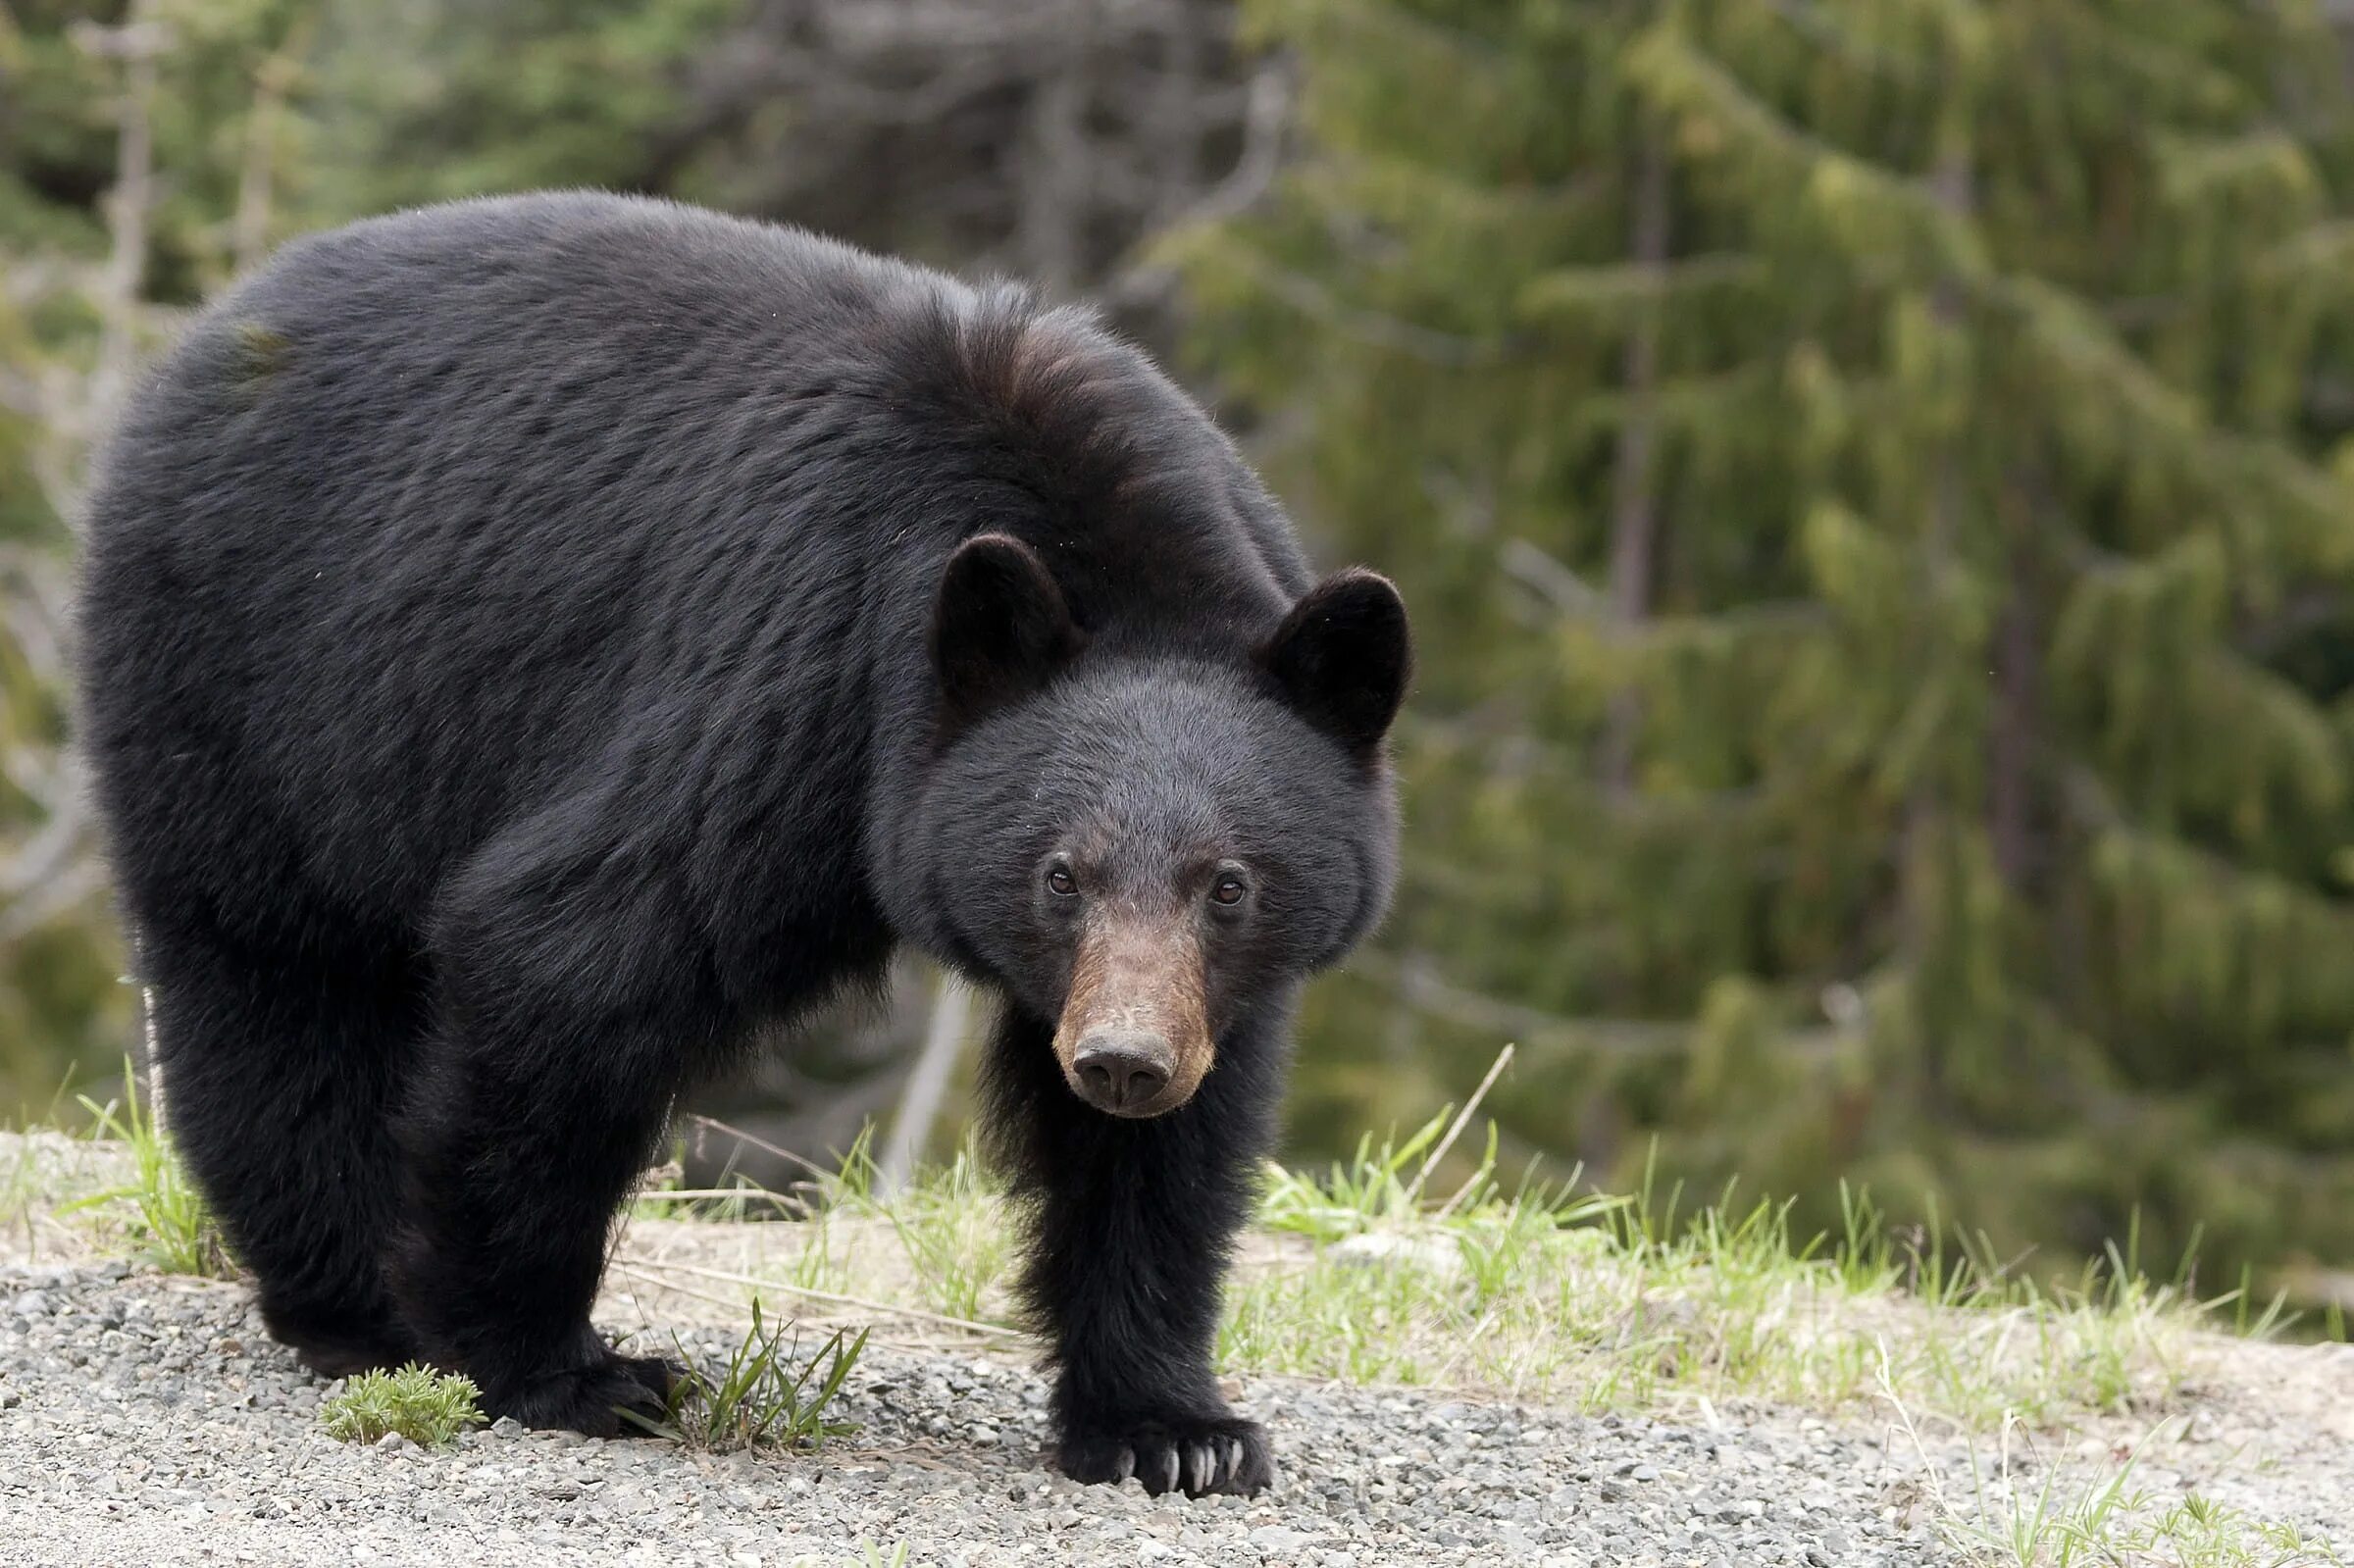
621 380
441 514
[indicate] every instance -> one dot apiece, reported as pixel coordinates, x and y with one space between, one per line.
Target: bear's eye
1228 891
1062 881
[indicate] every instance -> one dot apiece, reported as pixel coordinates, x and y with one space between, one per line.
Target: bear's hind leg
563 1028
278 1079
526 1132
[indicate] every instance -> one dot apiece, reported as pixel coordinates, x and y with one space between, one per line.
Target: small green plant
428 1408
662 1192
1354 1195
954 1237
815 1267
2076 1518
852 1187
765 1398
21 1184
165 1210
32 1181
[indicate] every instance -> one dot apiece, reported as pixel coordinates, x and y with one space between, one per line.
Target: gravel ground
148 1419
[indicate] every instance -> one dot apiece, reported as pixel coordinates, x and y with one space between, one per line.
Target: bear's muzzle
1134 1038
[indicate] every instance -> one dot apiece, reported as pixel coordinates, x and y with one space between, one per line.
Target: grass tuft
765 1398
164 1213
428 1408
955 1234
663 1194
2101 1520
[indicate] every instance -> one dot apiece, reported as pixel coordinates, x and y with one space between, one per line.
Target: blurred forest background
1874 480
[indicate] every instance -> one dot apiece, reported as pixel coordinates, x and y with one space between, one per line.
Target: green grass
957 1239
1615 1302
1601 1301
160 1207
766 1396
24 1184
664 1195
951 1241
1373 1272
428 1408
2106 1524
31 1184
2101 1520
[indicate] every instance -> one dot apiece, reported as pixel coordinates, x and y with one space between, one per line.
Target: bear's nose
1122 1071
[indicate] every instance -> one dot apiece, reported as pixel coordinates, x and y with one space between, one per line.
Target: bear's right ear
1000 627
1344 656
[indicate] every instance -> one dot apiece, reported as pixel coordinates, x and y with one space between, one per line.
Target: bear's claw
1196 1458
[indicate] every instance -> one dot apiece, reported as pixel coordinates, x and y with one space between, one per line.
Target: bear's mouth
1134 1041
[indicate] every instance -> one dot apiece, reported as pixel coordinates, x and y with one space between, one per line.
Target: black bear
530 642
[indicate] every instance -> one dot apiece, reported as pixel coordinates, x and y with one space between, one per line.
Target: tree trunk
2011 749
1634 504
1053 183
136 43
927 1088
1925 815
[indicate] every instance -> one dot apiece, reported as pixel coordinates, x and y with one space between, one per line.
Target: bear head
1146 844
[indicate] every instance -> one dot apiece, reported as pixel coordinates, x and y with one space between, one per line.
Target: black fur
522 655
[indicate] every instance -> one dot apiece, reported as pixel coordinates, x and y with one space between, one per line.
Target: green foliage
2101 1520
64 106
450 98
160 1206
852 1185
1374 1271
765 1398
428 1408
264 119
1877 523
1871 480
1614 1302
957 1240
1383 1187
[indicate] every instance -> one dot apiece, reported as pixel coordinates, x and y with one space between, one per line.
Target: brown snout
1134 1038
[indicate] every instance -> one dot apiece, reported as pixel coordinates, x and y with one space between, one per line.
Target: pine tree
1871 479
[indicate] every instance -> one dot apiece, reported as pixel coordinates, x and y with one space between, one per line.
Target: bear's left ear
1342 656
1000 626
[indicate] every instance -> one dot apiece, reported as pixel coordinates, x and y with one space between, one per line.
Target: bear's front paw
592 1400
1199 1458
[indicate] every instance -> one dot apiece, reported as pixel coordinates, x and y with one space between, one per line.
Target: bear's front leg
1132 1227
